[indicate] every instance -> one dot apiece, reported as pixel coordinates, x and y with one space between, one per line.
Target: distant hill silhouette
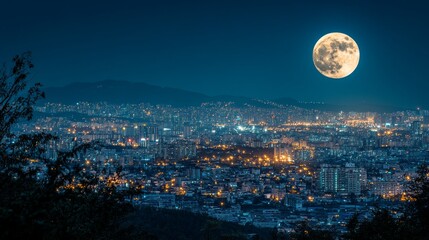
119 92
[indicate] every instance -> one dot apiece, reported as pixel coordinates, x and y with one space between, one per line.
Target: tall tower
329 178
187 131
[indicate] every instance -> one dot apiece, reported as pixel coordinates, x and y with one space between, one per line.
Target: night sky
244 48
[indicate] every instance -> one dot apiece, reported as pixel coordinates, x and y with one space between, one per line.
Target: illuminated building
354 179
416 128
329 178
187 130
336 179
282 153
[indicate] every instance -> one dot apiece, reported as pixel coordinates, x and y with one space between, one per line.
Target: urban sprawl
271 166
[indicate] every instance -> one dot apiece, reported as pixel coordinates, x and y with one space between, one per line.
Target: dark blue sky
247 48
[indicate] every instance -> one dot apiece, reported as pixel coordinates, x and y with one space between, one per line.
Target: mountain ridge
112 91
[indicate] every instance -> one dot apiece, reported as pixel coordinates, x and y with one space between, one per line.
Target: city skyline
214 120
247 49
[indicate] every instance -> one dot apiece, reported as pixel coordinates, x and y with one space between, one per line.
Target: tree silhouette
418 210
303 231
16 99
44 198
412 225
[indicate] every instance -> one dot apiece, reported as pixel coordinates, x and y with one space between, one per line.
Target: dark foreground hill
164 224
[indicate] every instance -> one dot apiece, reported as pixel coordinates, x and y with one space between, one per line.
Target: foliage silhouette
41 197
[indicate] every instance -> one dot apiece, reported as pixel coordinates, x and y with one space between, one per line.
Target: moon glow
336 55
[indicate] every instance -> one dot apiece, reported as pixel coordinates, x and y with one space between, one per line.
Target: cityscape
214 120
272 167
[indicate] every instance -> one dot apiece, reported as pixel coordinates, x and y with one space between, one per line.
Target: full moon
336 55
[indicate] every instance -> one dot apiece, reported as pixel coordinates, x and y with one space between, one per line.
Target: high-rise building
336 179
194 173
187 131
152 133
416 128
177 150
329 178
282 152
354 179
302 155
